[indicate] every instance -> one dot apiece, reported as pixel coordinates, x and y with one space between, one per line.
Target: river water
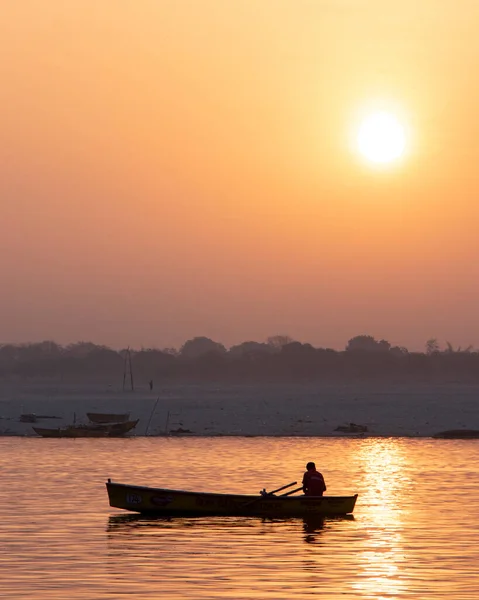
414 534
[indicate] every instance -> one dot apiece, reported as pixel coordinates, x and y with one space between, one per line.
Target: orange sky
172 168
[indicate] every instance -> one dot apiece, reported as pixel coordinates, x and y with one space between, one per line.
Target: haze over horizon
176 169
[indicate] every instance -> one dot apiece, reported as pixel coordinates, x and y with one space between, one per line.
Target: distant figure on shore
313 481
151 384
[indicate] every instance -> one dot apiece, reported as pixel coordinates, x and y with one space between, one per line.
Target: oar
281 488
292 492
268 494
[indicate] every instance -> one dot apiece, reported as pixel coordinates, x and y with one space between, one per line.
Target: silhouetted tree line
278 359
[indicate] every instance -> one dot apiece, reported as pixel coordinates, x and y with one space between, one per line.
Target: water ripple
414 533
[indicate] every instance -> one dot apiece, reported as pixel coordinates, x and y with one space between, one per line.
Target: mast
127 370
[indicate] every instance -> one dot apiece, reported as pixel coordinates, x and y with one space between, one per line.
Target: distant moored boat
108 417
90 431
458 434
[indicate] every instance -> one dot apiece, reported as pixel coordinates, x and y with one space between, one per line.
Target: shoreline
231 435
267 410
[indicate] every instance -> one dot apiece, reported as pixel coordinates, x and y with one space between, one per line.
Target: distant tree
39 351
399 350
278 341
101 360
432 346
250 349
9 353
171 351
280 359
49 349
366 343
384 346
297 349
451 350
198 346
147 363
80 349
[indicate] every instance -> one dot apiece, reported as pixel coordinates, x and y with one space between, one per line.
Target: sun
381 138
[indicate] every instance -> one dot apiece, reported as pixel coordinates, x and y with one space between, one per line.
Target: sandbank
312 409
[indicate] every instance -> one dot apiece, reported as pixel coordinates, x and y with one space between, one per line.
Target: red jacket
313 483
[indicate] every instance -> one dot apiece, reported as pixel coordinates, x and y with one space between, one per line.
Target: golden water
415 531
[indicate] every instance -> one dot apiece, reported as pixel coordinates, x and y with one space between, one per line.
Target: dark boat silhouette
168 502
107 417
90 431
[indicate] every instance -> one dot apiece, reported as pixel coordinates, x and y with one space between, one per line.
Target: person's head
311 466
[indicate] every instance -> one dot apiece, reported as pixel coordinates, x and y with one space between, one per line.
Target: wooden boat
107 417
33 418
352 428
81 431
160 501
458 434
28 418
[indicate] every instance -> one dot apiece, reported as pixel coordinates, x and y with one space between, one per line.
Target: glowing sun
381 138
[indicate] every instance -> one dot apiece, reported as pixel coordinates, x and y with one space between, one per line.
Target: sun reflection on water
384 469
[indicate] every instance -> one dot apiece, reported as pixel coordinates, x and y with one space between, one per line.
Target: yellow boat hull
162 501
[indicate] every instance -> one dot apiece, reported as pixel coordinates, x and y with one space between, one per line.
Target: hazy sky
173 168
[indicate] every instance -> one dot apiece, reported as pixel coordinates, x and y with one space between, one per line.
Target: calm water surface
415 531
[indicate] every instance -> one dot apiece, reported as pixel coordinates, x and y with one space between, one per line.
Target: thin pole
131 373
167 422
124 366
151 416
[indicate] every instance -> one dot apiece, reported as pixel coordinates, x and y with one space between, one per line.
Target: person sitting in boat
313 481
